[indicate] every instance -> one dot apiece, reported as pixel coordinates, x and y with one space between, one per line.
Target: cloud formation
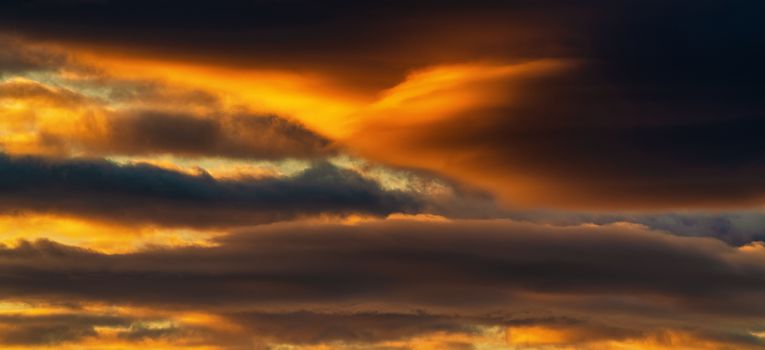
654 109
146 133
19 57
61 121
138 193
634 280
313 175
49 330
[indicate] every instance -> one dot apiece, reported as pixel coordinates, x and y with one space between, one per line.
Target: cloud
95 328
18 57
653 108
349 331
28 90
605 127
303 327
47 330
605 130
617 281
142 193
146 133
61 121
733 227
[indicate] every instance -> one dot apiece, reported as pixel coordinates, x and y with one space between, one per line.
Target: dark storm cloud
611 282
147 194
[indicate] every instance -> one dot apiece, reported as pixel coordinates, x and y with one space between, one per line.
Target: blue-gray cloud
144 193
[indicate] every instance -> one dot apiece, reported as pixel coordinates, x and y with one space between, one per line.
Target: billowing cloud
145 193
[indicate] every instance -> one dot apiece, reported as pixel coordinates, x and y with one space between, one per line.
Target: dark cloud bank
615 281
335 262
143 193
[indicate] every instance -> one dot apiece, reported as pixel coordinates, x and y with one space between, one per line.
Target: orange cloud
401 128
312 99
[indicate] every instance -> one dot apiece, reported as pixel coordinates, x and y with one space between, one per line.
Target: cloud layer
149 194
617 281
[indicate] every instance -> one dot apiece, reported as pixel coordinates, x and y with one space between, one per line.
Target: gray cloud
736 227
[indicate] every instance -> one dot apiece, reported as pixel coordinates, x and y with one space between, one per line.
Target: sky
382 175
